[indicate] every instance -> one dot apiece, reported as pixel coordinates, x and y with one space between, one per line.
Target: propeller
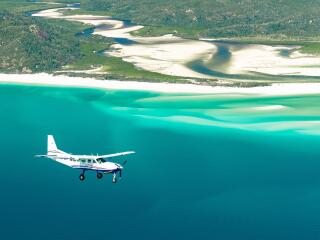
120 170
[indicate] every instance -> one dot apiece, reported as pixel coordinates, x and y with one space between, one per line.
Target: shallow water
213 167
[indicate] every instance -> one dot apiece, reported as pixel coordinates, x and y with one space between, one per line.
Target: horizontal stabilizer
41 155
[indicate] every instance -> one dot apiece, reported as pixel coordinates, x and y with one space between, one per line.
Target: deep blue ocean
206 167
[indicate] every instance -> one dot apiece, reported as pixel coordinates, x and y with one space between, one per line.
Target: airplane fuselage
84 162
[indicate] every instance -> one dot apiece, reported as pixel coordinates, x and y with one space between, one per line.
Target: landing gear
114 179
82 177
99 175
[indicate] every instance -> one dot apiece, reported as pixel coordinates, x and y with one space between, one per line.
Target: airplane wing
106 156
115 154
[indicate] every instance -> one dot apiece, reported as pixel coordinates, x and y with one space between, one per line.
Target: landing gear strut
99 175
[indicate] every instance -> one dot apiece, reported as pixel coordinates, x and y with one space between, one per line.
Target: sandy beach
278 89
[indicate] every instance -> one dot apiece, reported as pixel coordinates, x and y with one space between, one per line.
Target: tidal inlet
159 120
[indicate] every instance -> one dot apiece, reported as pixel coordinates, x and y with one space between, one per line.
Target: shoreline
45 79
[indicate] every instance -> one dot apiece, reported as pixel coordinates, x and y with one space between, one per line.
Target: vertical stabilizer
51 144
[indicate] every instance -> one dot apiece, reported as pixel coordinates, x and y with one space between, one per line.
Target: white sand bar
167 54
268 60
278 89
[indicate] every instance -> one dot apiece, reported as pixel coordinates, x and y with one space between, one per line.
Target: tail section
52 147
53 151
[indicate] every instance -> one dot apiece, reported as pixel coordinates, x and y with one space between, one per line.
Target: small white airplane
100 164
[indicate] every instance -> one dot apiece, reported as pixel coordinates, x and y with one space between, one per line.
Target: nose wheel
99 175
114 178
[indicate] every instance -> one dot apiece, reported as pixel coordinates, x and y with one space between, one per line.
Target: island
241 45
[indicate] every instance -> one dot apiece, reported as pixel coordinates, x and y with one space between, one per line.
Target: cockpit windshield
100 160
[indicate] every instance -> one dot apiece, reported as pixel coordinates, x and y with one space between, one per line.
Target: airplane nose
119 166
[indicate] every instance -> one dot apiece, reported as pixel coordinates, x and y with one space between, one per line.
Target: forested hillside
33 45
220 18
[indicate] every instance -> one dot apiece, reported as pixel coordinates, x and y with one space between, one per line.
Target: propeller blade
124 163
120 173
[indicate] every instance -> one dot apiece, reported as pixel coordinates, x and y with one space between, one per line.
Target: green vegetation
34 45
20 6
293 19
184 32
31 44
311 48
89 46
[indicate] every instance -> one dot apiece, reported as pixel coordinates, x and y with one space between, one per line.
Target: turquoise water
210 167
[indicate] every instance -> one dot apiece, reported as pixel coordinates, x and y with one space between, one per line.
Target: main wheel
99 175
82 177
114 180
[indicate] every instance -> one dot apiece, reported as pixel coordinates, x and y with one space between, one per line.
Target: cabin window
101 160
83 160
89 160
